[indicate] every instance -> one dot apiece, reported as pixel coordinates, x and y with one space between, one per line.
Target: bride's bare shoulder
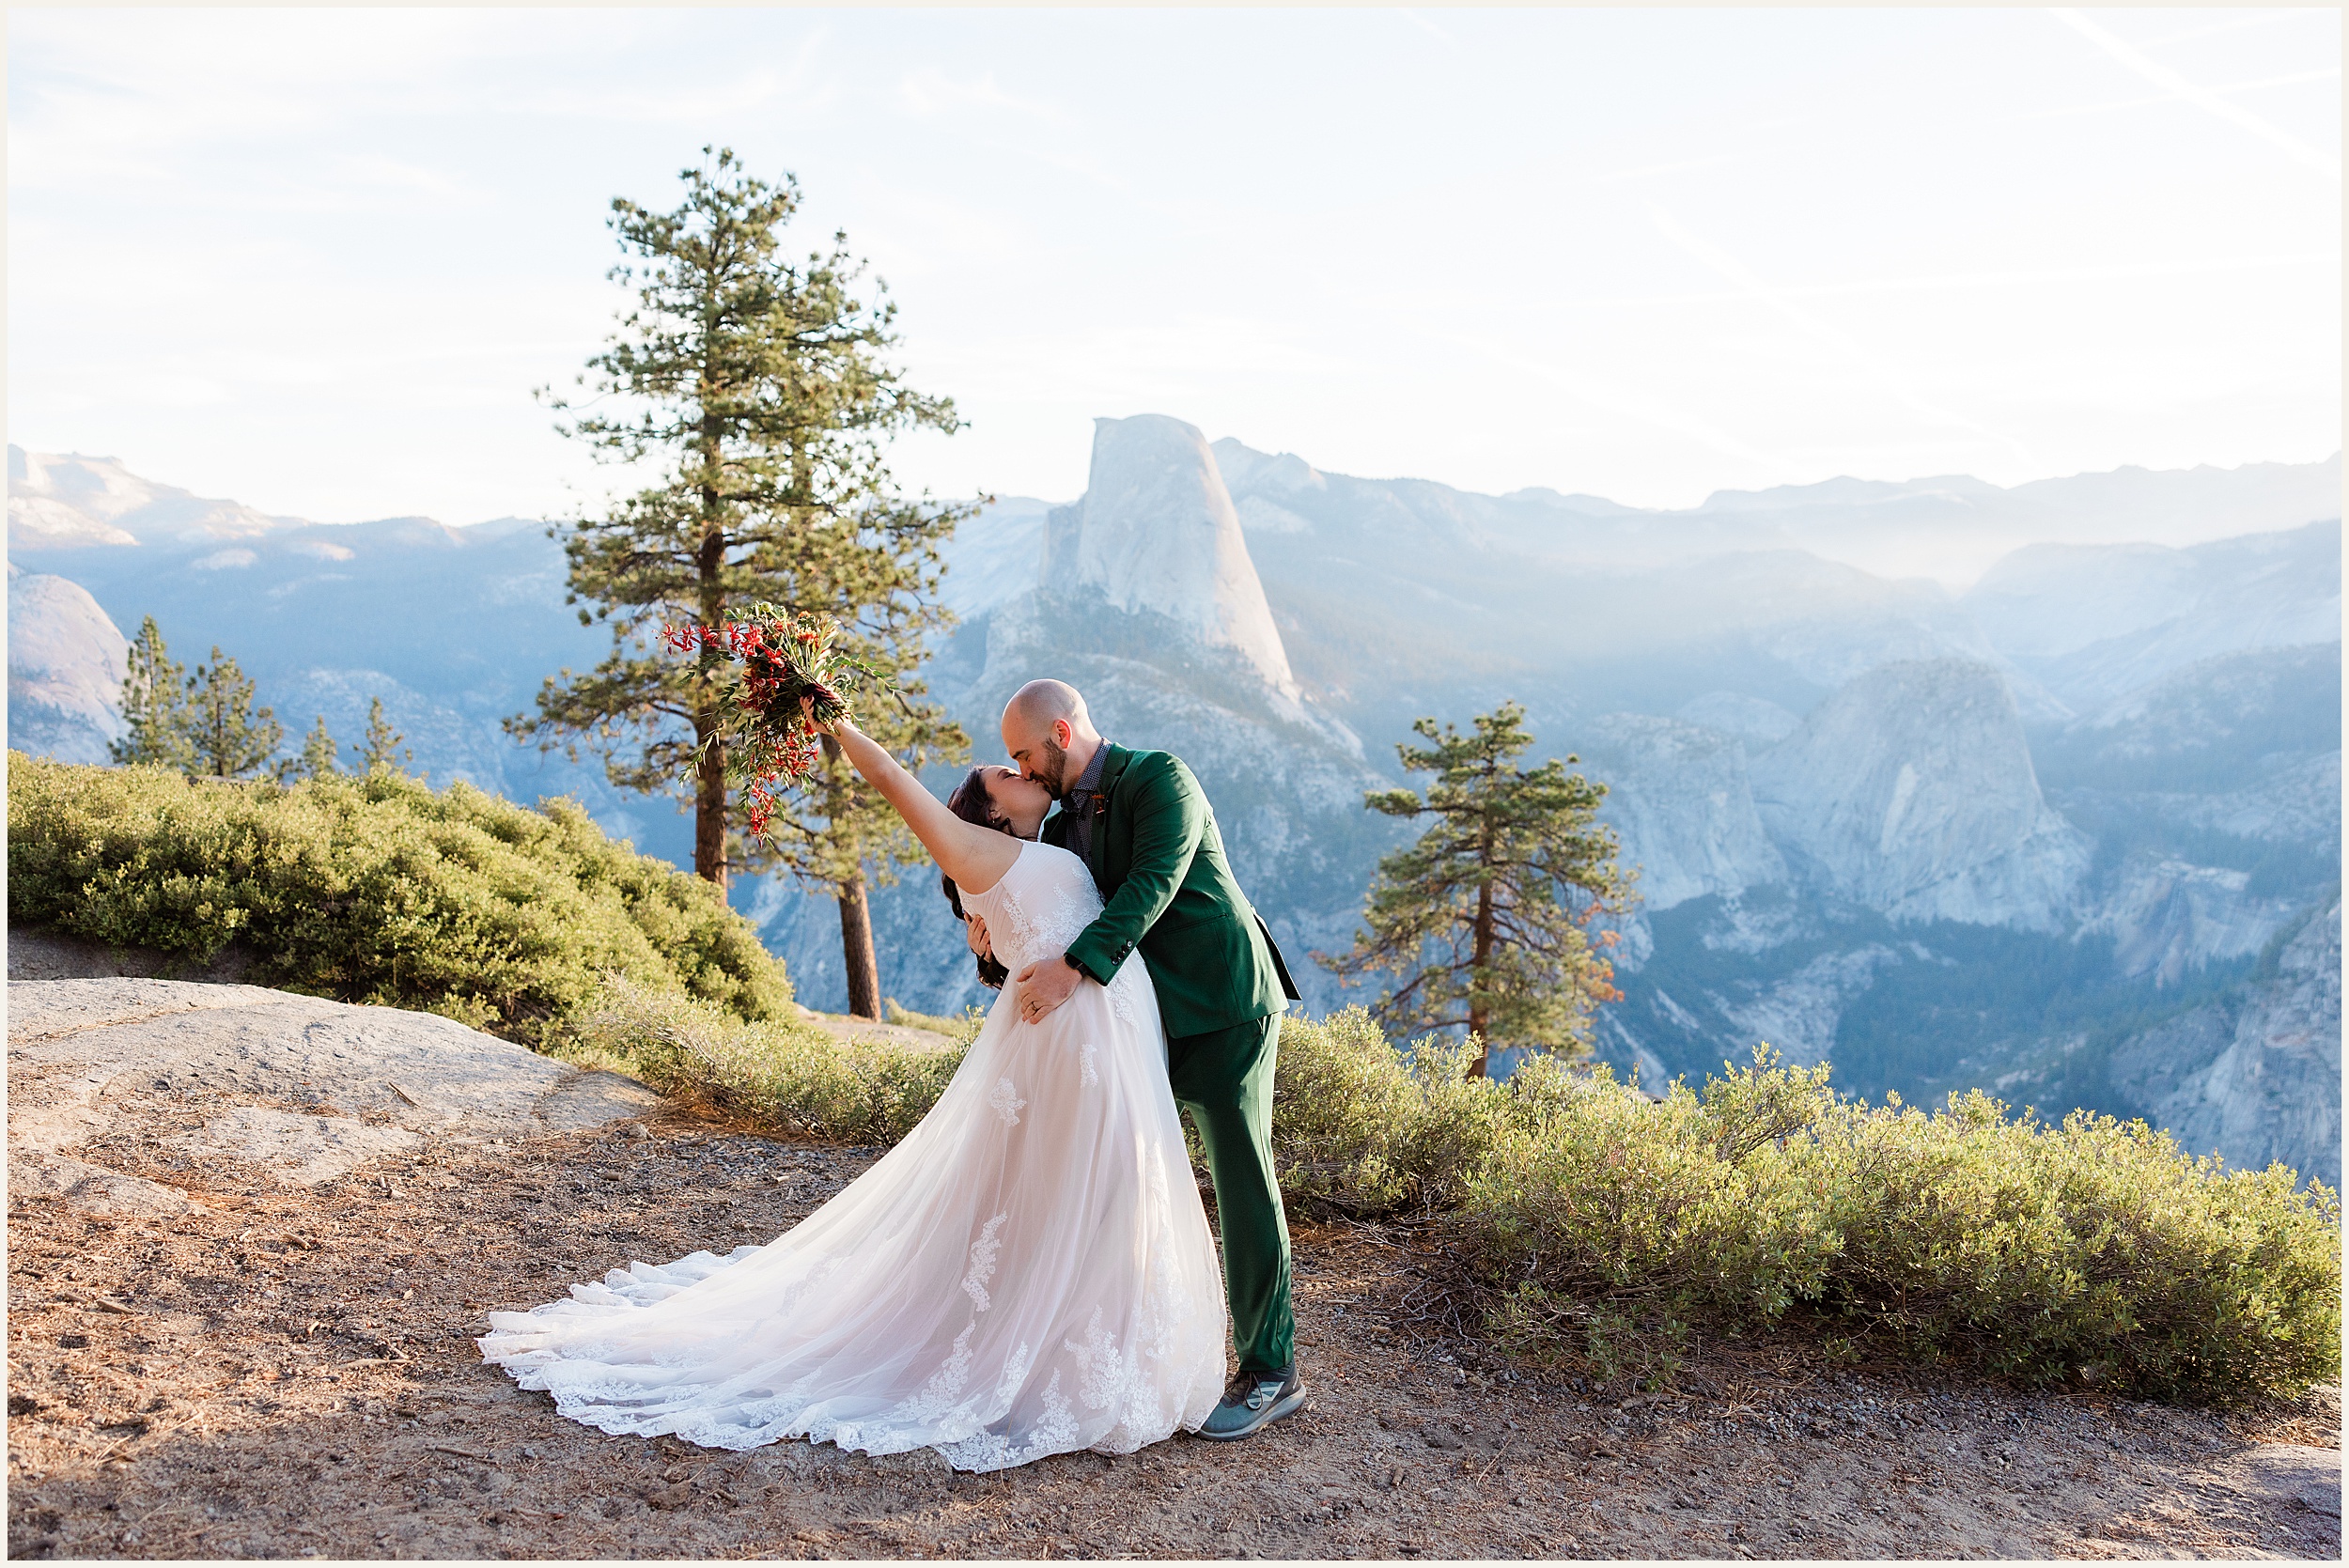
990 860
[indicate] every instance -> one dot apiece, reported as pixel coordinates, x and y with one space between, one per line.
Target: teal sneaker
1254 1400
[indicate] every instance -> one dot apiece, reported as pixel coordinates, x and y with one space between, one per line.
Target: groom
1140 823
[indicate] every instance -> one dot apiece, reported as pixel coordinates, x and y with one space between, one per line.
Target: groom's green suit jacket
1167 890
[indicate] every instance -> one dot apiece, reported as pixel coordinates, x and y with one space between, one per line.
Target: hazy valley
2070 833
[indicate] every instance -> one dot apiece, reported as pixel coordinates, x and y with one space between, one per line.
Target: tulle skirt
1029 1272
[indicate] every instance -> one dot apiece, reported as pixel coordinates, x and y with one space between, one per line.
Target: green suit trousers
1224 1080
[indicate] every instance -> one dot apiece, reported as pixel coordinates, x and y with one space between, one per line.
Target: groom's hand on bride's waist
1045 984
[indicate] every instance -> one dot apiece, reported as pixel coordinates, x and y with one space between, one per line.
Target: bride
1029 1272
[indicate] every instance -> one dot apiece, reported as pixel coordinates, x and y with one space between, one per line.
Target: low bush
1365 1130
964 1029
796 1078
1599 1225
375 889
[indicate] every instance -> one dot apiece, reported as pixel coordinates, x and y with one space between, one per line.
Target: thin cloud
1614 398
2201 98
696 104
1682 166
1751 284
1425 26
2034 277
2329 74
2235 24
2019 277
930 91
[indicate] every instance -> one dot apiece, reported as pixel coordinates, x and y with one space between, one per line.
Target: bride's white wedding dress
1029 1272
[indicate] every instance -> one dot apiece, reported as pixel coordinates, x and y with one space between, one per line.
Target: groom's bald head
1049 733
1041 702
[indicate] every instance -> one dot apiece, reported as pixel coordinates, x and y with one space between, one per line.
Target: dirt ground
287 1373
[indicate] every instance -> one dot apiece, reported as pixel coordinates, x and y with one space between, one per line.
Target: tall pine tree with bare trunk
1485 921
760 388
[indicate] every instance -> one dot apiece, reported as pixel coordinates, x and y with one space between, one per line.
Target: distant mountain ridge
2007 837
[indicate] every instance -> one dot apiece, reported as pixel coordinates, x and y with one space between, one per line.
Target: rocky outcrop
2272 1092
1678 798
2168 917
1156 535
1911 791
1798 1015
296 1089
1755 721
66 500
65 661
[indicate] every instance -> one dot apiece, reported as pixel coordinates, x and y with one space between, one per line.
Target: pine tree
155 706
759 385
321 757
381 752
232 738
1488 913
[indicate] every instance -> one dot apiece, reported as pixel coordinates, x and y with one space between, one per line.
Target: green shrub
1602 1226
1365 1129
794 1077
375 889
2090 1249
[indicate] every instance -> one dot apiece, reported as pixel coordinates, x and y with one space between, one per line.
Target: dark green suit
1167 891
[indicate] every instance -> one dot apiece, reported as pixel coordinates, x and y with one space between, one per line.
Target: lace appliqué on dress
1122 984
983 1263
1054 1431
1087 1054
1035 937
1006 1102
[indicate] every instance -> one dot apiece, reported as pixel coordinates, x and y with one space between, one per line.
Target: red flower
788 660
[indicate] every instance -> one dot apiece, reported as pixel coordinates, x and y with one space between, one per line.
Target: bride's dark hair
972 802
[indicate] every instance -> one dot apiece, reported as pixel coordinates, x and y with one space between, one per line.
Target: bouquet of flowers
770 744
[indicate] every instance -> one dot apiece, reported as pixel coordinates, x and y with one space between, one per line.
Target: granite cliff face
2255 1072
65 661
1156 535
1680 799
1911 791
2273 1093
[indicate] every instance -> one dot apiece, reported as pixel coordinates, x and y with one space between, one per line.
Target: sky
318 260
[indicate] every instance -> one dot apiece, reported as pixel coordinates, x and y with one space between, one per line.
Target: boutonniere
1100 806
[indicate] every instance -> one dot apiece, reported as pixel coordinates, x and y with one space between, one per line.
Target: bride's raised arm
973 856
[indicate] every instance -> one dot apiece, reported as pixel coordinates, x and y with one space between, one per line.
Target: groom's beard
1052 771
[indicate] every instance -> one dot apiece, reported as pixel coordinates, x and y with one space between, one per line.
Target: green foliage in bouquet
795 674
376 889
